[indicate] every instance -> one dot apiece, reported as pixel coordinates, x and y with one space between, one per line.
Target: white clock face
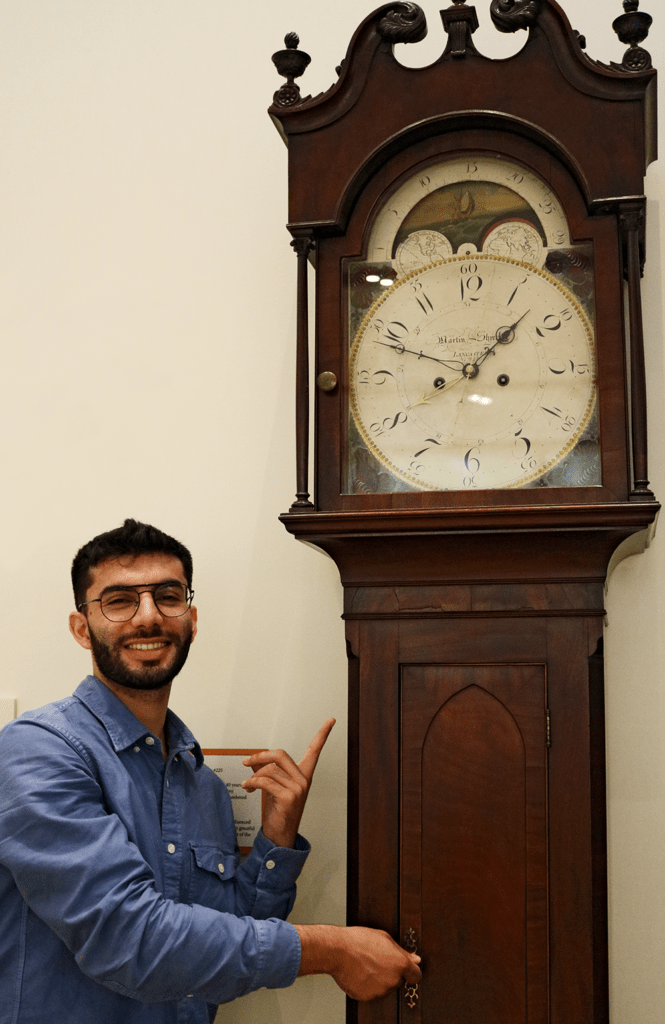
474 372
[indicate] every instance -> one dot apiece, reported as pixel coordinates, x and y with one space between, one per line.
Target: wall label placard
247 807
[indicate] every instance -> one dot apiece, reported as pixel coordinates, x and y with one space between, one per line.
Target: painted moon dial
474 372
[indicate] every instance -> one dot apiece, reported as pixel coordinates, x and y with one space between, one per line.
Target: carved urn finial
632 28
460 22
290 64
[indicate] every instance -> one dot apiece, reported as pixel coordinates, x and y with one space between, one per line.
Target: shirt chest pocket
212 874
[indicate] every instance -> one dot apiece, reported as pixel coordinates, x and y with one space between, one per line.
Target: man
121 894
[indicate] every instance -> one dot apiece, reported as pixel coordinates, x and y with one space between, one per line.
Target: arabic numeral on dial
421 298
396 332
547 206
552 322
472 464
566 422
430 441
522 451
471 167
389 423
378 377
471 282
523 281
559 366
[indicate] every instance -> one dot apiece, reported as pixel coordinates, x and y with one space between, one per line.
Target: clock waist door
473 864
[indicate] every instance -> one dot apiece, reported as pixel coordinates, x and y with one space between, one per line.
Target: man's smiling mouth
144 646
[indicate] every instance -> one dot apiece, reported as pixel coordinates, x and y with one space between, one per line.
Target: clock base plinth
476 750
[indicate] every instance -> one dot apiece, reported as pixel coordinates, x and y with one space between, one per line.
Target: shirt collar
124 728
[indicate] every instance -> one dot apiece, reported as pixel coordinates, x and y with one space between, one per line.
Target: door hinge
548 728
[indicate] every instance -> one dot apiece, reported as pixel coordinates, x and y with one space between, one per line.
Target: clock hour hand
399 348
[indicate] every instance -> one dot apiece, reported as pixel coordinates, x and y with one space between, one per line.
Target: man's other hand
286 785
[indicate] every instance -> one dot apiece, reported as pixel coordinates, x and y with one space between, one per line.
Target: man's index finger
308 763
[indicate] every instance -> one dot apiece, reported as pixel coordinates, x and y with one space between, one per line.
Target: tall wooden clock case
477 229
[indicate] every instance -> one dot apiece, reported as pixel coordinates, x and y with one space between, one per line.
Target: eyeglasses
122 603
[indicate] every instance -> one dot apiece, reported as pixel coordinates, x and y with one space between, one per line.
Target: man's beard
108 659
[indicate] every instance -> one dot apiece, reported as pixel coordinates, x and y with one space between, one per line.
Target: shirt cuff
283 863
279 967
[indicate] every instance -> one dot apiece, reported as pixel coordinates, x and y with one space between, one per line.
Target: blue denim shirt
122 899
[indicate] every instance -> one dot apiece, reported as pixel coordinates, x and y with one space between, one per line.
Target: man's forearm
364 962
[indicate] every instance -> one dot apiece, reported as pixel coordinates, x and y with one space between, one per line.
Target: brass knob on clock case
326 381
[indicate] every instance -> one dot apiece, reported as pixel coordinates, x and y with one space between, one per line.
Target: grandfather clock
477 231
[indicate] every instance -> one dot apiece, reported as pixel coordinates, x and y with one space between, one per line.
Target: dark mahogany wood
473 858
632 224
303 246
474 619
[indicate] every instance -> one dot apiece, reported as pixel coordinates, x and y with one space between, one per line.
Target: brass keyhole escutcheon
411 991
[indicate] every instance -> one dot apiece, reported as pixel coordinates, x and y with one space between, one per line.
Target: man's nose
147 611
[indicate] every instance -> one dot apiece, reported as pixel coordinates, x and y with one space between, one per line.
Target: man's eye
171 594
119 601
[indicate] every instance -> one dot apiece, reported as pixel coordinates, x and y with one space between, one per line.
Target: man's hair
132 538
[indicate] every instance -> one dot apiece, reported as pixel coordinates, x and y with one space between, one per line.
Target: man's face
148 651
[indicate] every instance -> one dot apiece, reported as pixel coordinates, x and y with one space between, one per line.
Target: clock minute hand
454 365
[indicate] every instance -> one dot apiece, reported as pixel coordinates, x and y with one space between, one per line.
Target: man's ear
78 627
195 616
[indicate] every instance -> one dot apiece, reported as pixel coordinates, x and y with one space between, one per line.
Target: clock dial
475 372
465 197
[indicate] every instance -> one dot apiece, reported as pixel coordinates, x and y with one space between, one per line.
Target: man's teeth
148 647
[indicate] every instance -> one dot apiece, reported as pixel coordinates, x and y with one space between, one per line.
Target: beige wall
147 315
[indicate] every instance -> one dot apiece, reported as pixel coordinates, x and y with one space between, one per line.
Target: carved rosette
632 28
511 15
405 23
290 64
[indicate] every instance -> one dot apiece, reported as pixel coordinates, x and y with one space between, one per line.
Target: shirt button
137 750
221 868
270 864
150 740
171 848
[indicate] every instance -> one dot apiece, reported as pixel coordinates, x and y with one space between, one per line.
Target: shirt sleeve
78 870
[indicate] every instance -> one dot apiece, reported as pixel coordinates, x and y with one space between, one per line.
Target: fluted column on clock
632 219
303 245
